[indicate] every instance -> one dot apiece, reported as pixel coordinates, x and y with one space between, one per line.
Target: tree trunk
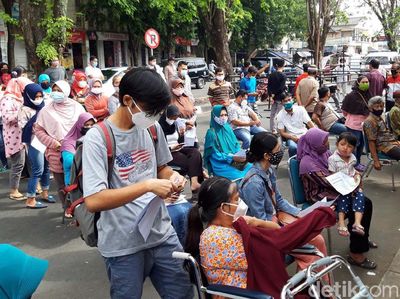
33 34
60 10
391 39
7 4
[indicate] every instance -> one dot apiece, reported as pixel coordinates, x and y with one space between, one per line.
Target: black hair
305 67
262 143
213 192
171 58
219 69
151 58
280 63
280 97
18 71
147 87
349 137
374 63
3 64
92 58
241 93
246 64
182 62
323 91
252 70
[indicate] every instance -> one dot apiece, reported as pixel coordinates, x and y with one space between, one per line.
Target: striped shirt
220 93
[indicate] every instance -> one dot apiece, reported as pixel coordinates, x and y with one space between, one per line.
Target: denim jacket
254 193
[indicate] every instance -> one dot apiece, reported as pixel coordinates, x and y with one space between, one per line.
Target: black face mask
394 72
377 112
45 85
276 158
84 131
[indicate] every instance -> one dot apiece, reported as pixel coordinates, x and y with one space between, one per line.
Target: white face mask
178 91
140 120
184 73
221 120
116 88
94 64
37 101
241 209
244 103
82 84
220 78
97 90
169 121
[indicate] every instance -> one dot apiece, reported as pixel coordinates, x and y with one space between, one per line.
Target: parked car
385 58
109 73
197 70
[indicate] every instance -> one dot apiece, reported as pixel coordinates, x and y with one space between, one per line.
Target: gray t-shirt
56 74
136 160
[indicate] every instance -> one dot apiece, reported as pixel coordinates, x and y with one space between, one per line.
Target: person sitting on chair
394 115
221 146
243 119
292 121
380 139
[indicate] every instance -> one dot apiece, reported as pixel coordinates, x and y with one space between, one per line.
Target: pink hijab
58 118
69 142
16 86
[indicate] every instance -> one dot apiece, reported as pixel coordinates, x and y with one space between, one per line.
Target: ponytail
194 229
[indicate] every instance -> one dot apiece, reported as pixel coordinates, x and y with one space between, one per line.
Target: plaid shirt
337 164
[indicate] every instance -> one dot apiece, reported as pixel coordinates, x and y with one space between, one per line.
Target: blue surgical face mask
57 96
288 105
222 120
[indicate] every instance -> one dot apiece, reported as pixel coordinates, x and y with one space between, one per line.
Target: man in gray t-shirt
55 71
139 173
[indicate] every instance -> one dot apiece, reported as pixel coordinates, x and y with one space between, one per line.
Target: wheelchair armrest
307 249
235 291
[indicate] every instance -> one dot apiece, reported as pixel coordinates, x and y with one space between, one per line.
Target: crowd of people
233 182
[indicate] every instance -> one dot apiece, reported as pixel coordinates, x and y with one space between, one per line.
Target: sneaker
360 167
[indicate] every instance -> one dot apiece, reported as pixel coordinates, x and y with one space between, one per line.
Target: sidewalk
391 278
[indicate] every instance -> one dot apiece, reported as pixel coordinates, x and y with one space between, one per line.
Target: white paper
147 216
322 203
240 154
38 145
342 183
190 137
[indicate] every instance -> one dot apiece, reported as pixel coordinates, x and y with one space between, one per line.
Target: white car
109 73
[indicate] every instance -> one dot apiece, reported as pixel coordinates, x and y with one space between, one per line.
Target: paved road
77 271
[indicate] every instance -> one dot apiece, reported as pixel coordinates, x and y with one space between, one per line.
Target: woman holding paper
313 153
221 146
27 115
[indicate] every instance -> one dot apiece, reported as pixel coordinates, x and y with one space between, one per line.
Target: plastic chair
384 159
299 196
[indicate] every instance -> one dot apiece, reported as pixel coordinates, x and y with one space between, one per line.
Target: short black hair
283 95
280 62
92 58
146 87
246 64
171 58
323 91
241 93
374 63
219 69
152 58
305 67
349 137
262 143
182 62
252 70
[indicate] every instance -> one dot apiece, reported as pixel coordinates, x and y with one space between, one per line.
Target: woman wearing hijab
44 81
15 150
355 109
96 102
69 144
313 153
53 123
221 146
5 75
80 88
27 115
113 101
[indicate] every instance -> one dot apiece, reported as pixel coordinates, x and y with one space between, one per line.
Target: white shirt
93 72
294 123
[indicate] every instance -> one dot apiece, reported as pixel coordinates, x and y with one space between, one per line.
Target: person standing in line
170 69
393 85
56 72
220 90
183 74
249 84
113 101
276 86
154 66
307 91
92 71
377 82
301 77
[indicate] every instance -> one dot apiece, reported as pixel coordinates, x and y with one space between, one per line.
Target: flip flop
366 263
343 231
49 199
372 244
358 229
38 205
17 198
68 216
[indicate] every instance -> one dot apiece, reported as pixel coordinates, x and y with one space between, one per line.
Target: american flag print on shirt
132 162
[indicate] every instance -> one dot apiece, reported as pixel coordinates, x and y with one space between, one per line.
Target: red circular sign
152 38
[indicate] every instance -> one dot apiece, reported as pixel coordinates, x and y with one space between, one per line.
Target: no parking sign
152 38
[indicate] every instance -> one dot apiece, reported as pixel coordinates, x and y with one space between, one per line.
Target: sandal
38 205
49 199
366 263
372 244
17 197
343 231
358 229
68 215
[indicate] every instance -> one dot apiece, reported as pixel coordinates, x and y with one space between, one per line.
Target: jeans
179 214
245 135
360 143
39 171
337 128
127 273
275 108
292 147
3 158
17 162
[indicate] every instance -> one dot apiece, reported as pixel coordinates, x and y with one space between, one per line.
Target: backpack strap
109 139
153 134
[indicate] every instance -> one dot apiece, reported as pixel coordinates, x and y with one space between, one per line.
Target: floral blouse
222 256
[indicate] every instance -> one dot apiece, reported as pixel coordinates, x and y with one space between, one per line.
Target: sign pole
151 52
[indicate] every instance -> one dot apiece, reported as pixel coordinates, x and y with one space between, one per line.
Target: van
197 70
385 58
